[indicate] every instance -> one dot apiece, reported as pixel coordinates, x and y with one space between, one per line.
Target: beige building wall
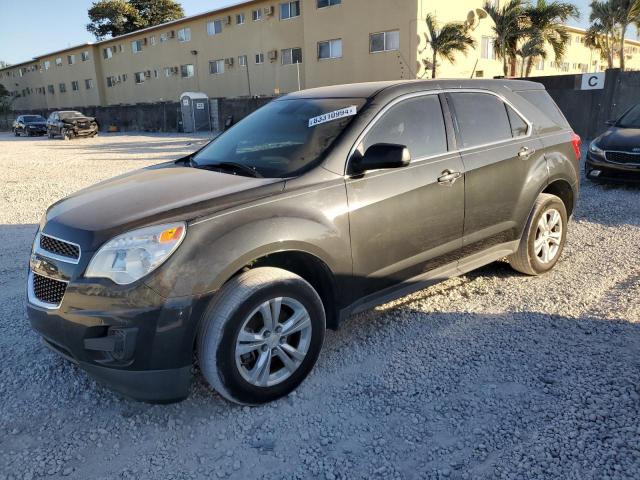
158 63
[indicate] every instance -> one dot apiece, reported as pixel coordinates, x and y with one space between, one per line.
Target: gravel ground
491 375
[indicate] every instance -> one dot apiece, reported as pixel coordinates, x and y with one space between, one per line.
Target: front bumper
609 171
36 130
130 338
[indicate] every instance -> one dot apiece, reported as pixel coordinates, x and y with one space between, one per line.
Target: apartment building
270 47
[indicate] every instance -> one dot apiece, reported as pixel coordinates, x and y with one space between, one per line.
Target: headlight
129 257
595 149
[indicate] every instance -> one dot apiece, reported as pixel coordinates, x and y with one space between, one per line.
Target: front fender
215 249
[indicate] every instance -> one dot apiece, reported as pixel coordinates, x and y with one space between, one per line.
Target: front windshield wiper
230 166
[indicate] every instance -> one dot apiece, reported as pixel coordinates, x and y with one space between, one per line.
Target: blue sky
33 27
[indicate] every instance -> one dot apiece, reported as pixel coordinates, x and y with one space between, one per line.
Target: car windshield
65 115
33 118
631 119
281 139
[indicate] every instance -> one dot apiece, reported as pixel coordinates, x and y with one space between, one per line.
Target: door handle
525 152
448 177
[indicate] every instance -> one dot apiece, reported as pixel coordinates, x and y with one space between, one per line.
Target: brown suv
322 203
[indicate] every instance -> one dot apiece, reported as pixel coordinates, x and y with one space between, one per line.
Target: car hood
620 139
78 119
153 195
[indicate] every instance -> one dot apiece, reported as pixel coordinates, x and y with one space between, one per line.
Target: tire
536 253
65 134
236 308
16 133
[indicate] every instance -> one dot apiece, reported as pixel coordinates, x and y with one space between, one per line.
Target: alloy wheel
548 236
273 341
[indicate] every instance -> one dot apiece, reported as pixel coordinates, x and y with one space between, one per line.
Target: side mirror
610 123
381 155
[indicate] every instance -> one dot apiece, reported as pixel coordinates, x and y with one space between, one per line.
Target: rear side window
416 123
519 127
540 99
481 118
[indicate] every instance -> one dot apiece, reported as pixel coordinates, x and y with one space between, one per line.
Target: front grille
623 157
48 290
59 247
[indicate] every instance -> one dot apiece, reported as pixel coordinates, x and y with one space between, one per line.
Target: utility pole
248 78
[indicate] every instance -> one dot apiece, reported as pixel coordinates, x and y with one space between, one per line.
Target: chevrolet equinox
321 204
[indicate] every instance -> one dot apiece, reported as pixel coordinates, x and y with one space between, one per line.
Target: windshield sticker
331 116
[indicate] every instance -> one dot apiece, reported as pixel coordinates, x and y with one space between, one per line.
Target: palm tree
602 32
546 25
533 47
445 42
627 12
508 28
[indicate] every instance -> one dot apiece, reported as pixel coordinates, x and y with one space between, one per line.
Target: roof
371 89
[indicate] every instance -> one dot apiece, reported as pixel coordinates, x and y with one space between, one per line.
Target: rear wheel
261 335
544 237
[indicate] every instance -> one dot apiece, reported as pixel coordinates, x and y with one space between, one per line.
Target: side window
552 116
519 127
416 123
481 118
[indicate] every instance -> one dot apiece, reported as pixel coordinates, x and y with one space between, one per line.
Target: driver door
407 221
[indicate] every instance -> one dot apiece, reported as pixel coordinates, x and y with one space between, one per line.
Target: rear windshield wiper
237 167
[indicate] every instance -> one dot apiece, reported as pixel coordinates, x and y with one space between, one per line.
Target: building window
384 41
84 56
214 27
50 89
327 3
291 56
136 46
540 64
155 73
152 40
107 52
289 10
138 77
75 86
59 61
47 64
88 84
330 49
259 58
242 61
240 19
256 15
110 82
488 48
216 67
167 71
187 71
163 37
62 87
184 35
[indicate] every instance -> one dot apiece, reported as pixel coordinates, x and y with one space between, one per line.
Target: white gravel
491 375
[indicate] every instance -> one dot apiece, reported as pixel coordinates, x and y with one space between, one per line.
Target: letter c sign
593 81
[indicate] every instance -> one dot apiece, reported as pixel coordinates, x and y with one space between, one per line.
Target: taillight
576 141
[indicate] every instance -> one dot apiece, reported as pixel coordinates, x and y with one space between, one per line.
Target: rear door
500 158
404 221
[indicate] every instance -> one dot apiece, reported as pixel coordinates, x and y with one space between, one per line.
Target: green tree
533 47
445 42
545 26
508 27
602 32
627 12
117 17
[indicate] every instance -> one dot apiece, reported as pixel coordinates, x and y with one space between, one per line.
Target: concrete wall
588 110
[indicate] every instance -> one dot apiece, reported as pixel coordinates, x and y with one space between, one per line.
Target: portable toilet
194 107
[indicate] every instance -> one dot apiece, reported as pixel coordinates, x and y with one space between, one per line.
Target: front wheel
66 135
16 133
261 335
544 237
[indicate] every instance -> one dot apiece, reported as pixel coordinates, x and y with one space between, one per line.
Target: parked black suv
70 124
615 155
29 125
322 203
